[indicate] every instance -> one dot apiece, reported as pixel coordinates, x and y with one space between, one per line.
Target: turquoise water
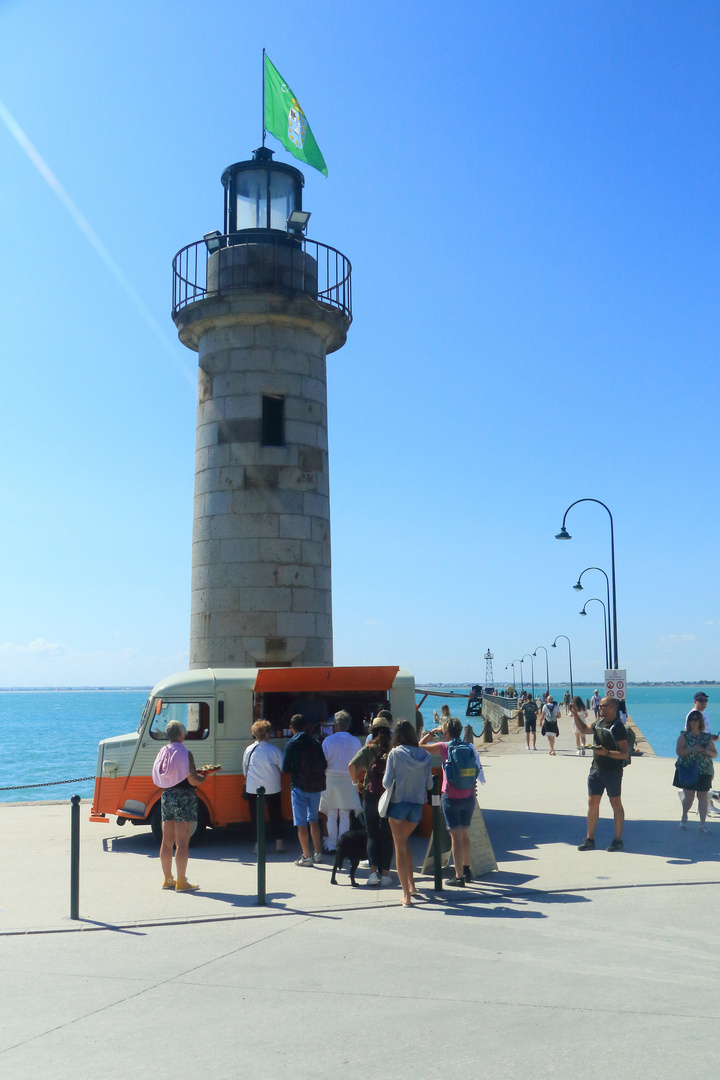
53 735
659 711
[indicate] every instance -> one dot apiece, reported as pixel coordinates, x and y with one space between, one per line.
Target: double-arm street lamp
522 683
532 672
597 600
547 666
554 646
565 535
608 632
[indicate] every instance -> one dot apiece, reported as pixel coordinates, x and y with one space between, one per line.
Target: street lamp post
578 588
547 667
532 672
554 646
512 664
522 684
565 535
597 600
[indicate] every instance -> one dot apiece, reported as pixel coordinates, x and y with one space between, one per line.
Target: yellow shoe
169 883
185 886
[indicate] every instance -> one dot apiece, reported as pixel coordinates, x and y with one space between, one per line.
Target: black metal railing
280 264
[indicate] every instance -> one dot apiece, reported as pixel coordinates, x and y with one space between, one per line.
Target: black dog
351 845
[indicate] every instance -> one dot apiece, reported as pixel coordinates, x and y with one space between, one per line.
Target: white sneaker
578 753
317 857
683 824
386 880
704 829
364 865
304 860
279 846
374 878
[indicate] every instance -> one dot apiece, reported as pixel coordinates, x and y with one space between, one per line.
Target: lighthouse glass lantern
261 194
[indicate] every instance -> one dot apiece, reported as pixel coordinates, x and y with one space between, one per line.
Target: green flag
287 122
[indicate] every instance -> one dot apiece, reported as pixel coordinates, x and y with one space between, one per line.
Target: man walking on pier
530 711
610 752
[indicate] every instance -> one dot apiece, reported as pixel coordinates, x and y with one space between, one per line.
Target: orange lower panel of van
222 796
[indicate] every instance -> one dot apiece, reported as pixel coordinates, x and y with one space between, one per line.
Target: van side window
194 715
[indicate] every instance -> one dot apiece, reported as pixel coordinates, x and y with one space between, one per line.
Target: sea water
53 735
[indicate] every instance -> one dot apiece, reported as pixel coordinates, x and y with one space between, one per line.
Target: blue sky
528 194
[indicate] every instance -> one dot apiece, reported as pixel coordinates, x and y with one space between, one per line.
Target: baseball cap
380 722
701 695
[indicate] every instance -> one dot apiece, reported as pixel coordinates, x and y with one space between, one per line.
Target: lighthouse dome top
261 193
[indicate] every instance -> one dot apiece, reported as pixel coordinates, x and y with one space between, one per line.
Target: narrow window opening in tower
273 421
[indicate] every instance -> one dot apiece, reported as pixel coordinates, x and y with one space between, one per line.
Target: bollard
75 857
520 718
437 829
261 847
504 726
487 731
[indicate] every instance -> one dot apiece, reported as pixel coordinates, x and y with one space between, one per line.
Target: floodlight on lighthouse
213 241
297 222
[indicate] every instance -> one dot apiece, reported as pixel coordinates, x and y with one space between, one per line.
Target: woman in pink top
174 771
458 803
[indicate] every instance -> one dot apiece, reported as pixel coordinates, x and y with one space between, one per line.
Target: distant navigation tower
489 657
262 306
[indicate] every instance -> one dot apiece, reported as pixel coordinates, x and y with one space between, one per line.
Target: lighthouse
263 306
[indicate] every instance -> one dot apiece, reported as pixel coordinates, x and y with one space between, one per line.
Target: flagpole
263 100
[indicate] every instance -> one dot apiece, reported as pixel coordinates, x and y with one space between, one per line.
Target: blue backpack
461 768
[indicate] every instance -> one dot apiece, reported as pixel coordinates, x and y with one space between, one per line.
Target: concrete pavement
559 964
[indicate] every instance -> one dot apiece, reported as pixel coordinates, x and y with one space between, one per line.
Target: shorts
305 806
458 812
406 811
179 804
531 725
605 780
550 728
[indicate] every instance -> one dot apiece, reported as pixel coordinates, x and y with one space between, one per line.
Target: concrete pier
557 966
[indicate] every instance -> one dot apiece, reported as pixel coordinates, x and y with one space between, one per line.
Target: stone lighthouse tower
262 306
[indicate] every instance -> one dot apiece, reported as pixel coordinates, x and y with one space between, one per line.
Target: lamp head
554 645
583 612
578 586
563 534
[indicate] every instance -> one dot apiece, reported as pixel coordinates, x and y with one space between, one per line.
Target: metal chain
48 783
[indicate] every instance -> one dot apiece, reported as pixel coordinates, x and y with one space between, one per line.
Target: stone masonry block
318 652
323 626
254 575
243 406
318 368
206 435
229 384
315 390
309 600
202 459
305 341
297 576
202 529
219 502
313 554
205 481
323 578
294 527
293 362
216 456
239 551
204 552
321 530
227 337
316 505
299 431
298 480
230 478
242 453
299 409
323 485
273 382
211 410
263 526
283 551
297 624
224 527
278 502
277 455
322 436
198 506
263 599
239 623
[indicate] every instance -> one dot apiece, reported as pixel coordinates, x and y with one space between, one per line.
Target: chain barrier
48 783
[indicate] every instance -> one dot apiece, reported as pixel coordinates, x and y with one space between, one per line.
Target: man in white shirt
701 701
339 796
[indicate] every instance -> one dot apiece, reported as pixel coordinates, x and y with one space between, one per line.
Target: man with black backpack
610 755
461 769
305 761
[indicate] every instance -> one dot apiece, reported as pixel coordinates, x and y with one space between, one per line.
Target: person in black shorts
530 711
610 752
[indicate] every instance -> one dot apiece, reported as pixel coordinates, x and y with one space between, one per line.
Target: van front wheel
200 824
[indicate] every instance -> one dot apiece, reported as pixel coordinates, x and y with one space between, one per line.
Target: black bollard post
504 730
437 829
75 857
261 847
487 731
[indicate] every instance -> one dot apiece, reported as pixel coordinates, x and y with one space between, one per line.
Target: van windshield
193 715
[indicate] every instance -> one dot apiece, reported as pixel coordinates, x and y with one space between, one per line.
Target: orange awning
323 679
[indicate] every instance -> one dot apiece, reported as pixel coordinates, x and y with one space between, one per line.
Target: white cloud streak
93 239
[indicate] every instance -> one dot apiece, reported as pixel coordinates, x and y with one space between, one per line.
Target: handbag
687 773
385 799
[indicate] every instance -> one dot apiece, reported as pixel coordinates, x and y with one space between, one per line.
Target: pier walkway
561 964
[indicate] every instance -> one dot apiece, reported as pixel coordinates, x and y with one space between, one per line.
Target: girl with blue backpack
461 770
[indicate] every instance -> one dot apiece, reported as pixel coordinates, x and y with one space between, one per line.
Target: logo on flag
297 124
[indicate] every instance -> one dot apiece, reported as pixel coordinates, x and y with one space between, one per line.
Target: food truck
218 706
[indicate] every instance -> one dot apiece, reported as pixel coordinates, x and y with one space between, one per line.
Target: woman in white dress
339 796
